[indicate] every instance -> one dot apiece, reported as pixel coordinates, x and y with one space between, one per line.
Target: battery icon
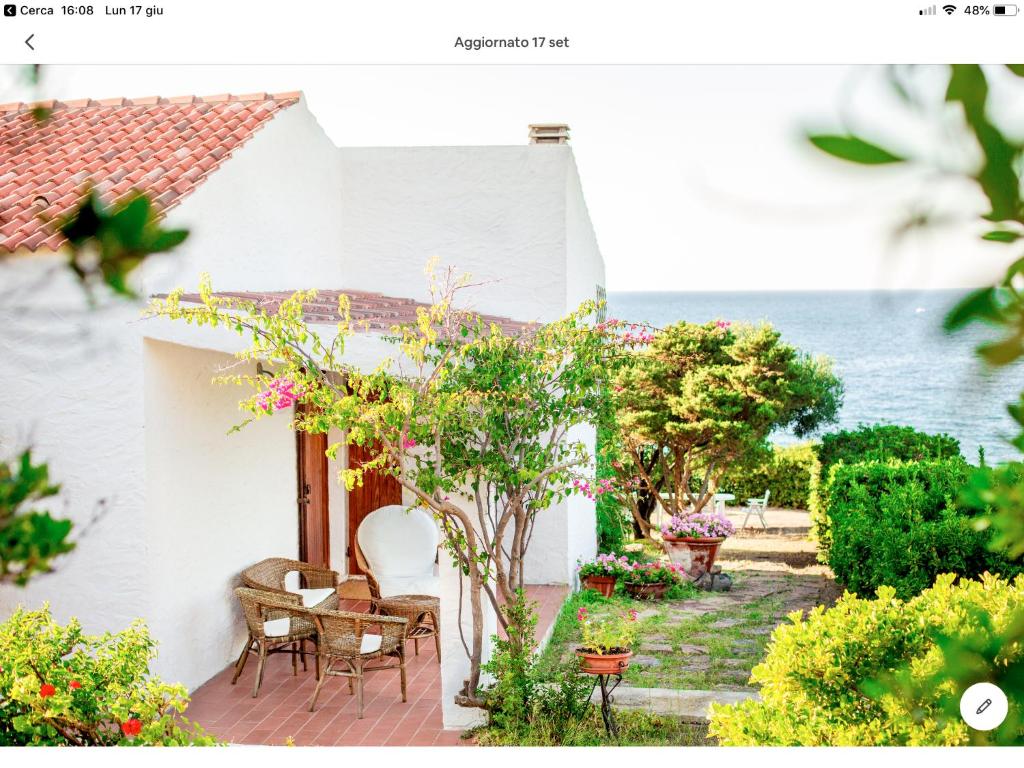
1004 10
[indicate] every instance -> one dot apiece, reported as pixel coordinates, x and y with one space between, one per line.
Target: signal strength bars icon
930 11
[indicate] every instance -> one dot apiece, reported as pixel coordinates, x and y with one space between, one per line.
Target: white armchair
397 549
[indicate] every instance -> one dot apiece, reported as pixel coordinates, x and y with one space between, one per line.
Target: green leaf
1002 352
977 305
1017 69
854 149
1001 236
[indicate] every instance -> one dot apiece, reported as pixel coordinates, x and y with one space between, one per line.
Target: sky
696 177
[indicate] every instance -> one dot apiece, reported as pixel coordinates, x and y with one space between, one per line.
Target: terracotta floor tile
281 709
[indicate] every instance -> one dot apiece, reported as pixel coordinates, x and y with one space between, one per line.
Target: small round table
421 611
720 499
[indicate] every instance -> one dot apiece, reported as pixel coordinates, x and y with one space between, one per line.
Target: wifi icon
949 9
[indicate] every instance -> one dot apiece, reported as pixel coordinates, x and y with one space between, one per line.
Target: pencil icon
984 705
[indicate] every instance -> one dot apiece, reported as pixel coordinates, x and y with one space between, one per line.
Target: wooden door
376 491
314 515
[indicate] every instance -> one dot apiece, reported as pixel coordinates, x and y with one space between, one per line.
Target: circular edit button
983 706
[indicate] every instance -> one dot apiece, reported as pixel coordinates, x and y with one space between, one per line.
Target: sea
897 364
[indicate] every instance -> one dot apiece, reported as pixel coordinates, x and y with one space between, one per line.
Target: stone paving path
697 651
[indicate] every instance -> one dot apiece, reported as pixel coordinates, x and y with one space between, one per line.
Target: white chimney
549 133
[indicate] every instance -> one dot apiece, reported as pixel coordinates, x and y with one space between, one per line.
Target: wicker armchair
396 547
277 624
317 586
346 648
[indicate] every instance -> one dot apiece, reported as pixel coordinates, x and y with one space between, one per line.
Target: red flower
132 726
75 684
46 690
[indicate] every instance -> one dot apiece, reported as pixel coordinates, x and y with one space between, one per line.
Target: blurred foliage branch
997 175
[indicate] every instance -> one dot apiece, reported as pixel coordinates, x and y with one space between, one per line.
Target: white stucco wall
497 213
217 503
72 389
268 219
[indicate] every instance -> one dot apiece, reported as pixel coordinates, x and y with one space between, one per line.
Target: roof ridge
146 101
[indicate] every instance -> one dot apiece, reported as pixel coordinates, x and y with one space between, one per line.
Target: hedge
788 471
818 679
877 442
898 524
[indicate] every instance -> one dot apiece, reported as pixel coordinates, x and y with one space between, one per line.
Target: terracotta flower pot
647 591
695 555
605 585
606 664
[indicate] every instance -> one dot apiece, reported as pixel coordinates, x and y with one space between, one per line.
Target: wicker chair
344 640
321 584
277 624
396 547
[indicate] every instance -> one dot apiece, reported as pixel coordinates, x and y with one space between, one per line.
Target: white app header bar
500 32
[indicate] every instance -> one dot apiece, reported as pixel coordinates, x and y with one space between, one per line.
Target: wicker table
421 611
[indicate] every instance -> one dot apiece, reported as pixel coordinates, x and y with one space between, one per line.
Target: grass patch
636 728
731 651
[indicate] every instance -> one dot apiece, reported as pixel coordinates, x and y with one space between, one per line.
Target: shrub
612 519
59 686
788 471
878 442
823 678
899 525
520 696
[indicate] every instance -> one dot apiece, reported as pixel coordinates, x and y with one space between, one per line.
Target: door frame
312 494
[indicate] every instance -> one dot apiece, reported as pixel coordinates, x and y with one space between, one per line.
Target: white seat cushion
370 644
277 627
313 597
400 546
409 585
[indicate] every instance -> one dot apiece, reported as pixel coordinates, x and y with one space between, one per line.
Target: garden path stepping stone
647 661
726 623
656 647
646 614
758 631
696 664
734 662
743 645
693 650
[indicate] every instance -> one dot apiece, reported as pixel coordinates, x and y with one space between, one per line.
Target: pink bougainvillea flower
581 614
132 726
408 442
281 394
74 684
46 690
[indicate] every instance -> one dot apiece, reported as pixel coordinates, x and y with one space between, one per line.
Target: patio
280 711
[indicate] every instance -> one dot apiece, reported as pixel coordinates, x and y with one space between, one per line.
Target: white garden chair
397 548
757 507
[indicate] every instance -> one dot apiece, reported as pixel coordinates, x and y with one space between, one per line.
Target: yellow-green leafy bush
59 686
829 679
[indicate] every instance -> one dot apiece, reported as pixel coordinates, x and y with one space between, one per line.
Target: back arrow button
27 39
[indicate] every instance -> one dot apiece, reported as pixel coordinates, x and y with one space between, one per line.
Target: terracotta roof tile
373 312
119 145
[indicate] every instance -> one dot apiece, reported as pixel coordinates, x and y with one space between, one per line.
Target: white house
124 410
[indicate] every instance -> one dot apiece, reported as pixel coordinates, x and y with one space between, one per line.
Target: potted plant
603 571
650 581
607 641
692 541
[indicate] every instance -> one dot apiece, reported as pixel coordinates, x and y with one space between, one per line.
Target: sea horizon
897 364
